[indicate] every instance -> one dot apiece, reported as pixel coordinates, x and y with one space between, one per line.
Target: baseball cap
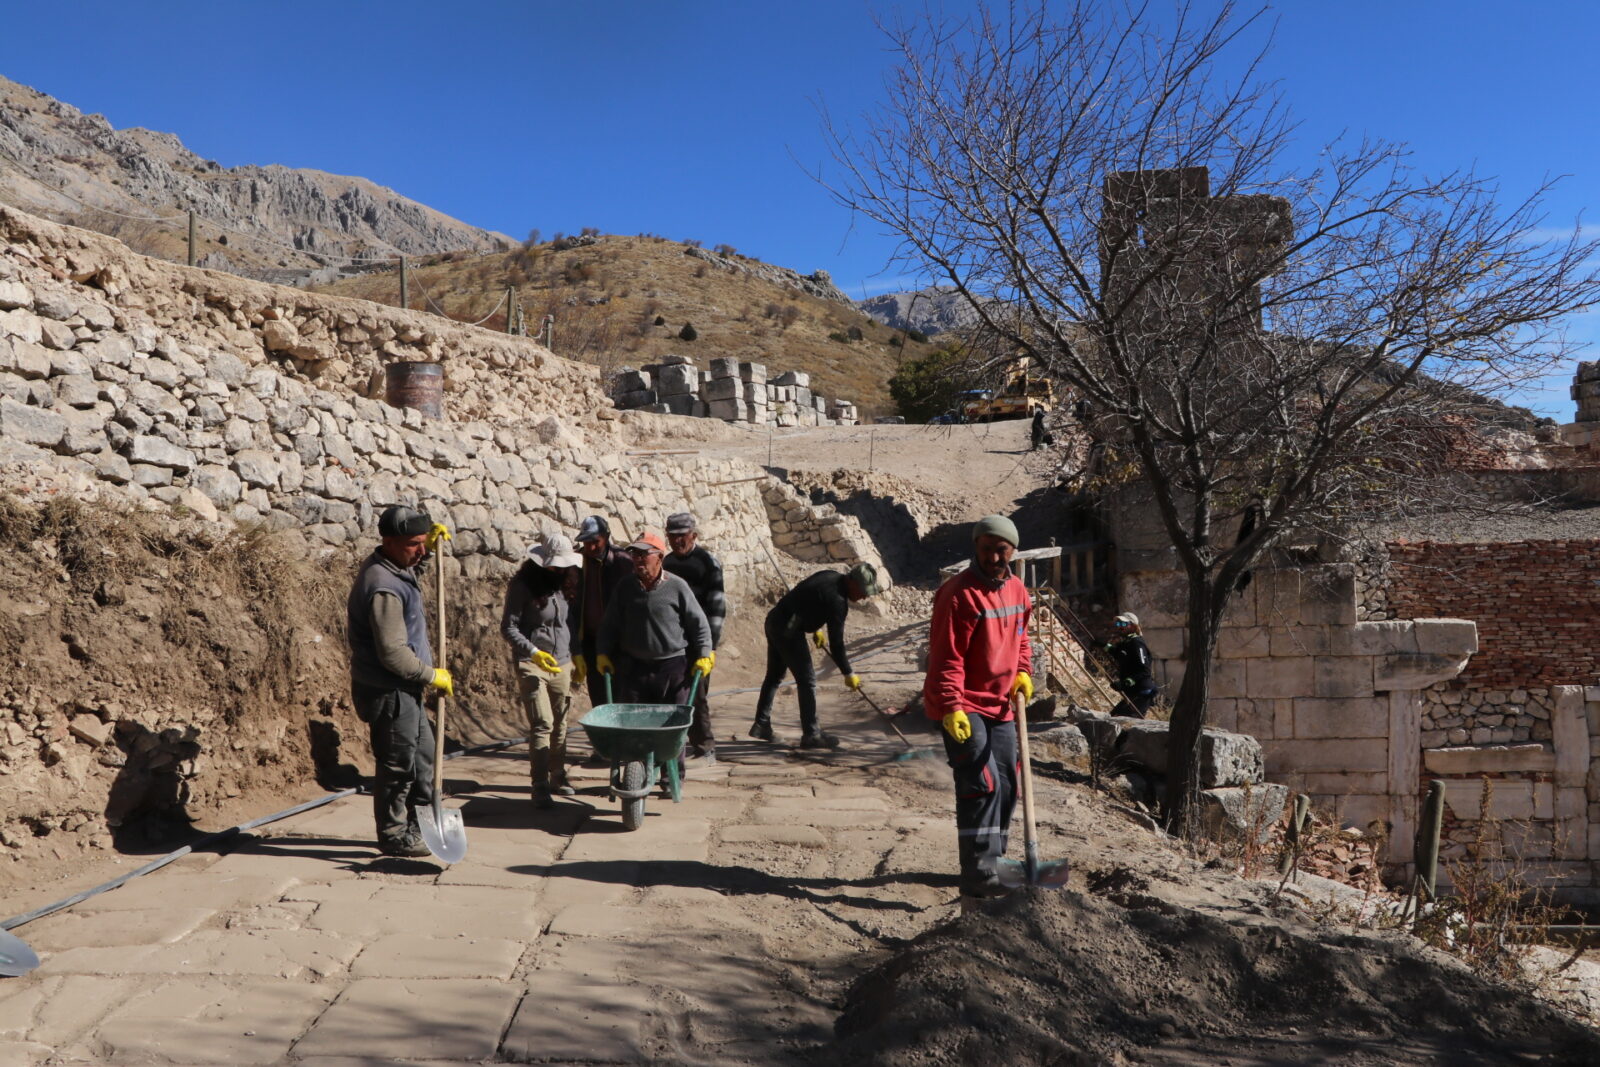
556 551
1128 617
401 521
680 522
592 528
867 575
649 541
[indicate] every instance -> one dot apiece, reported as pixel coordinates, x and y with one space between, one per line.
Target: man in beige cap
536 623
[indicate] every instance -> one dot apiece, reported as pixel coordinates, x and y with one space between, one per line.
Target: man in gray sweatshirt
391 666
654 633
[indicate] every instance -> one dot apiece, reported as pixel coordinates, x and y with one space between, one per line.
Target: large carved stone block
1415 670
1238 813
1225 759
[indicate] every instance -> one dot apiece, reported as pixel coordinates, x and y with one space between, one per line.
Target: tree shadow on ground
736 880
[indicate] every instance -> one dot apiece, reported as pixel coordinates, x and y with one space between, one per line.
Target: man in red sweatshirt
978 657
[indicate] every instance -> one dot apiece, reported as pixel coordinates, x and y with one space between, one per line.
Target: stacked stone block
1586 391
729 390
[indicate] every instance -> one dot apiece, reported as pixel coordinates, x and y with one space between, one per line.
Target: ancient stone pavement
719 933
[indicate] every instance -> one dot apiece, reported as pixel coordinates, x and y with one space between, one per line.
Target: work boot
411 846
982 886
539 763
818 739
761 729
558 772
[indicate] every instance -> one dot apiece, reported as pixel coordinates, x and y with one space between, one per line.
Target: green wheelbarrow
640 740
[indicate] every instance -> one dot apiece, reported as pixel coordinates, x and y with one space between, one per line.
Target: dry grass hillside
607 296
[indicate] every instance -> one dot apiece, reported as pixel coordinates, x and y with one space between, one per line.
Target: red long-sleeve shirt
978 641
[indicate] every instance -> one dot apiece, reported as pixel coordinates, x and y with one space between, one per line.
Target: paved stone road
716 934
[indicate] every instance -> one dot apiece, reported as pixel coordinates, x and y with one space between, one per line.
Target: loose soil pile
1060 978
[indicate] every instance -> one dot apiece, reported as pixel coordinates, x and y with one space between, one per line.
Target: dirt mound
1065 979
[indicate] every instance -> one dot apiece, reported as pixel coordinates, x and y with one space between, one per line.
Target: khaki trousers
546 699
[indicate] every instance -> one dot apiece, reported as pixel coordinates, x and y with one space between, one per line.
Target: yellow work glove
545 661
440 532
580 669
603 664
853 681
706 662
957 726
443 682
820 638
1023 685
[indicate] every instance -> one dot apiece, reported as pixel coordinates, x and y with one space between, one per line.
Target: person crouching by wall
1134 679
536 623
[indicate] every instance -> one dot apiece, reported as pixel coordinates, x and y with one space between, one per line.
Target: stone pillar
1405 771
1569 736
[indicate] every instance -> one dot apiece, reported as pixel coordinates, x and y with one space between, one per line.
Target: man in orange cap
654 633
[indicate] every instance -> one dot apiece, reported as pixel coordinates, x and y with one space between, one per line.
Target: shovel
442 829
888 717
16 958
1031 871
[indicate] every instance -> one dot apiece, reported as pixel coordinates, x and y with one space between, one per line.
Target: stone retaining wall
1362 714
242 401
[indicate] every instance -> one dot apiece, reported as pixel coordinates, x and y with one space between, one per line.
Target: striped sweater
978 641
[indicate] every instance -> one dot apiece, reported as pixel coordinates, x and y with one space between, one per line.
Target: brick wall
1536 603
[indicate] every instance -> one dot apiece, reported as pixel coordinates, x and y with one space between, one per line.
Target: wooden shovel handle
444 661
1030 834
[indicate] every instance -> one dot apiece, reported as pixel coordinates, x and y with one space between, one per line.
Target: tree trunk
1189 709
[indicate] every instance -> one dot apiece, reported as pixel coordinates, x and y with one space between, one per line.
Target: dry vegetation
607 297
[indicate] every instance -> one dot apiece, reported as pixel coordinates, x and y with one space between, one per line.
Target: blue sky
696 119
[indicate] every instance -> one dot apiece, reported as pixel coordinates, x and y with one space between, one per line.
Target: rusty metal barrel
415 385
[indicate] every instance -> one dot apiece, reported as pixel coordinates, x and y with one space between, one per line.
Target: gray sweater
656 624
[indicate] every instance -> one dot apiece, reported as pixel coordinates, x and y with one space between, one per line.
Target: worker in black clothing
605 566
689 561
1036 432
821 601
1132 657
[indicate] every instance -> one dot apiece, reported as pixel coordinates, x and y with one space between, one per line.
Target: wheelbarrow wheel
633 807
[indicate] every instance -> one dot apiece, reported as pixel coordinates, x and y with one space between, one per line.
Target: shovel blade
1051 874
443 832
16 958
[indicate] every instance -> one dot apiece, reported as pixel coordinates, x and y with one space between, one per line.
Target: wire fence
195 221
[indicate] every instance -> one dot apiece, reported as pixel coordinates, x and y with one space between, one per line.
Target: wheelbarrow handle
694 684
607 676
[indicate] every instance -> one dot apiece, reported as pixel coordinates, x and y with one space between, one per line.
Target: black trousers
701 736
788 653
402 747
1136 704
594 680
986 775
652 681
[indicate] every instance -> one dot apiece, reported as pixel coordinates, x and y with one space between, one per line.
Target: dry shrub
1493 909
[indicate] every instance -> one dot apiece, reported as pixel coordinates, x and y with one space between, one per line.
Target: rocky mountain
272 222
928 311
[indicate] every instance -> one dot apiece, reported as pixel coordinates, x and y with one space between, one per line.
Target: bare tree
1309 347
